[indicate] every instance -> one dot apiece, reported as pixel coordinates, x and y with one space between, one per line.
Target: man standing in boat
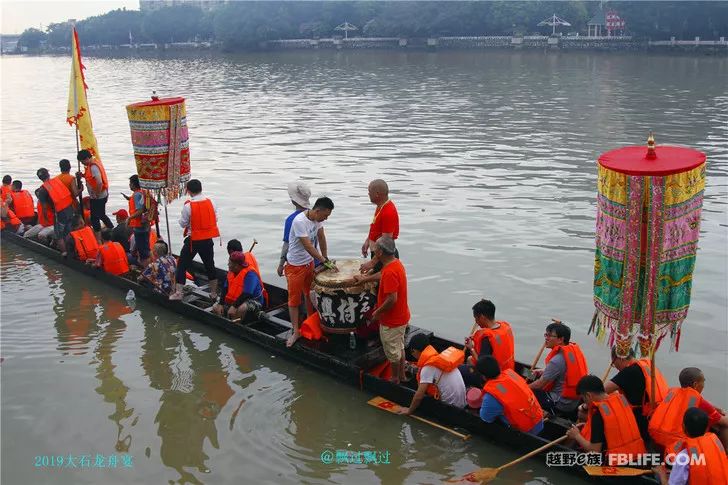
299 194
384 223
199 220
392 309
306 226
98 190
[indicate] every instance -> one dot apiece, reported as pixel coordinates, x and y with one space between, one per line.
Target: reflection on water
490 157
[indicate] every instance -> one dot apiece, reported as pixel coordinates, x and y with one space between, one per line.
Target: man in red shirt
392 310
384 223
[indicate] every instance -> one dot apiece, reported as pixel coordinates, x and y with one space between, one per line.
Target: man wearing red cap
243 294
121 232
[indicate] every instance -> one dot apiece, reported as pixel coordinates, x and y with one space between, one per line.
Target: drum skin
343 308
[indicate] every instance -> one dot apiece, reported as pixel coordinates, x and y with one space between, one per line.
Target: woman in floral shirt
160 272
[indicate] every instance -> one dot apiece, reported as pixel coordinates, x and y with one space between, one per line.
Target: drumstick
255 241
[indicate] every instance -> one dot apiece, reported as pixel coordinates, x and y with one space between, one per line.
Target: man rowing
384 223
493 338
437 374
21 203
665 426
610 424
634 380
555 386
507 397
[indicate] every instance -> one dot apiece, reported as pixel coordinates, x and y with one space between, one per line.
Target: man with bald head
384 223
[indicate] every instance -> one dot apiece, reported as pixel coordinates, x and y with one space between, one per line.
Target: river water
490 157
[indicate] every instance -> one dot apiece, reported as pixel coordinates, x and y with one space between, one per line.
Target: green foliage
244 24
31 38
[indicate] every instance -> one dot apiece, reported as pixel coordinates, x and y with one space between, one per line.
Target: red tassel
677 340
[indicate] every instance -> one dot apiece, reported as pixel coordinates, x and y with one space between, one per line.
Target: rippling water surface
490 159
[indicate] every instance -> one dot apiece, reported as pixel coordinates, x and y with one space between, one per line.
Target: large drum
161 144
342 307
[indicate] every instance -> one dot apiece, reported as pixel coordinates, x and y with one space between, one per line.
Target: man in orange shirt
392 310
384 223
68 180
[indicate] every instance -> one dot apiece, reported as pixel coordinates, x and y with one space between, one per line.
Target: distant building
605 24
597 26
8 43
151 5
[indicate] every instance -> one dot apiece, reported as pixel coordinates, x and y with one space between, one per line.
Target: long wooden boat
334 357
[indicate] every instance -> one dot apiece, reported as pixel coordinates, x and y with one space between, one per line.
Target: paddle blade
385 404
481 475
614 471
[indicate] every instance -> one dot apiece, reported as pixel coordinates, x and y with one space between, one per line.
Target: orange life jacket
45 215
203 222
67 180
87 216
85 242
59 194
383 370
620 427
713 468
520 405
134 221
576 368
113 258
447 361
22 204
12 220
6 189
91 180
666 423
660 386
501 341
236 282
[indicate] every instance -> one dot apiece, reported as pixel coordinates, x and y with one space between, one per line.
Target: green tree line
245 24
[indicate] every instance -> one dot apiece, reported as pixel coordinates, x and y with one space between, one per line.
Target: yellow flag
78 111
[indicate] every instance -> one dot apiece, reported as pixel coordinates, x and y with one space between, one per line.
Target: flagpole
79 184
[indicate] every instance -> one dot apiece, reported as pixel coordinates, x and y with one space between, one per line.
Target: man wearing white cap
299 193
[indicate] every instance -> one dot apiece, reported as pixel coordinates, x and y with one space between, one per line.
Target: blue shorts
141 243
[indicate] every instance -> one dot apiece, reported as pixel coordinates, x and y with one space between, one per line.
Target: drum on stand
342 307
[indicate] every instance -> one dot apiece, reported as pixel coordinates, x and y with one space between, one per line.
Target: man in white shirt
307 227
449 384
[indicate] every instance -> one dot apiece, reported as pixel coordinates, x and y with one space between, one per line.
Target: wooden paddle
487 474
615 471
540 352
606 373
393 407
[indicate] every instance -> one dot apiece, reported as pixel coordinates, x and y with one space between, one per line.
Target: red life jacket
620 427
666 423
236 282
85 242
113 258
576 368
134 221
59 194
661 388
501 341
22 204
520 405
711 462
45 215
447 361
91 180
203 222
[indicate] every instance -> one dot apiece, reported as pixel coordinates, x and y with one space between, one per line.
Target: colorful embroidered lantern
648 223
160 139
